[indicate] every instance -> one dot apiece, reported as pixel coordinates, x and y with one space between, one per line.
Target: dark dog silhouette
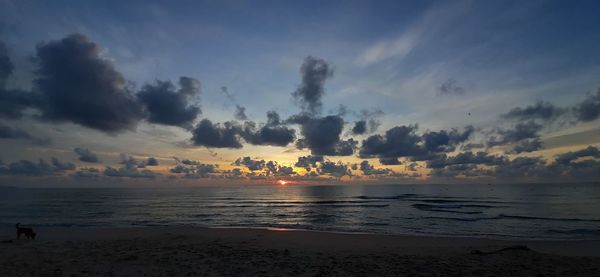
27 232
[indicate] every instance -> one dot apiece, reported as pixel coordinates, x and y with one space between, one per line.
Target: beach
195 251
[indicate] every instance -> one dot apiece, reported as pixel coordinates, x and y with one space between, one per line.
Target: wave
524 217
294 206
594 232
400 196
503 216
437 208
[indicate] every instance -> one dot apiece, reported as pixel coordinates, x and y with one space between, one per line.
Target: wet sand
192 251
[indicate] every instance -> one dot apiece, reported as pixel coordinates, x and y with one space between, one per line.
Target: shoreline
566 247
189 251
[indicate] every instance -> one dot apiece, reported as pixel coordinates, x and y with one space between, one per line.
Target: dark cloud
403 141
521 131
129 172
400 141
251 164
164 104
240 113
314 72
194 169
338 169
13 103
322 135
588 109
7 132
528 145
541 110
360 127
451 87
130 161
6 65
369 169
271 133
308 162
152 161
275 169
389 161
570 157
87 172
471 146
216 135
445 141
522 167
86 155
76 84
583 164
479 158
41 168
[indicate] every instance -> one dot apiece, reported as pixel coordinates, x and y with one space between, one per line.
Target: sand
192 251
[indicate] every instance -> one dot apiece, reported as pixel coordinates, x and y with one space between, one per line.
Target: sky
218 92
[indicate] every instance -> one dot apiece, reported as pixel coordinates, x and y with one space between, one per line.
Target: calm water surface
533 211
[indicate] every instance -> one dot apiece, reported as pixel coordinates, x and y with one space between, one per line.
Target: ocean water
521 211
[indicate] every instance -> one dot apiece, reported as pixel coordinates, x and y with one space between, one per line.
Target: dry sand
187 251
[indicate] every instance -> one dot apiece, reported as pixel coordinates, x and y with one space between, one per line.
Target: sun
282 182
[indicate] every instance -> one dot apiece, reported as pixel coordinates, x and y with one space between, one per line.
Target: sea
500 211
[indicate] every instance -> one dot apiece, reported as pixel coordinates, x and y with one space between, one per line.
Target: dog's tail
17 225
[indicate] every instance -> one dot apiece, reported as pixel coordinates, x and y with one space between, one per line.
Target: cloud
524 134
314 73
369 169
275 169
86 155
479 158
528 145
130 161
399 141
334 169
445 141
168 106
129 172
12 102
240 113
6 65
152 161
194 169
271 133
216 135
389 161
322 135
41 168
77 85
450 87
251 164
570 157
7 132
386 49
360 127
87 172
588 109
308 162
541 110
